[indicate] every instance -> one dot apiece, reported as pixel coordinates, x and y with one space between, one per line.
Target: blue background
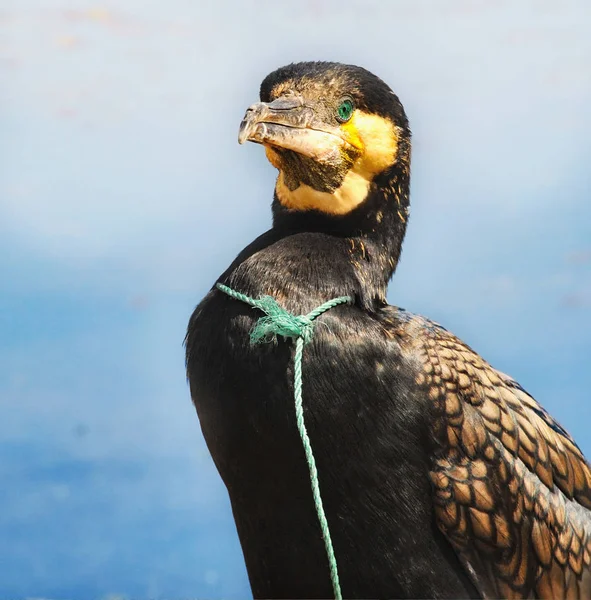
124 193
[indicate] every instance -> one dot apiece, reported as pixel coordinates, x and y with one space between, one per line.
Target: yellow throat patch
377 139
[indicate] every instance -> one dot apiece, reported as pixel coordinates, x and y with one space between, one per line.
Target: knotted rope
278 321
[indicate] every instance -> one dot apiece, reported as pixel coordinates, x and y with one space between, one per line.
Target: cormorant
441 477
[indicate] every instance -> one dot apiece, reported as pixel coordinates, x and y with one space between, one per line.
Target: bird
440 476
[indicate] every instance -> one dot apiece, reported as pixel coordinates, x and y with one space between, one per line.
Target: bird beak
289 123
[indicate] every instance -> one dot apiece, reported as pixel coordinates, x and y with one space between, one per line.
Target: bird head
332 131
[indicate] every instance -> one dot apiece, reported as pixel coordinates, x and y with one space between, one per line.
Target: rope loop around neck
278 321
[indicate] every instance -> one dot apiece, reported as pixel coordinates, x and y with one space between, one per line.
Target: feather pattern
512 490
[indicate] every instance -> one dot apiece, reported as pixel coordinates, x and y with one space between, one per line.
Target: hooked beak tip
282 111
247 130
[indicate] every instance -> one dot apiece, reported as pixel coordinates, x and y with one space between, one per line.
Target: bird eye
345 110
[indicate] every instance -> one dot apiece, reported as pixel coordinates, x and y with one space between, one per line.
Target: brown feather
518 514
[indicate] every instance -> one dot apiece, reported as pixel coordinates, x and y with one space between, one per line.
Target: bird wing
512 490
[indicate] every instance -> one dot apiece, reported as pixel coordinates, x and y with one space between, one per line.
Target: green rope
278 321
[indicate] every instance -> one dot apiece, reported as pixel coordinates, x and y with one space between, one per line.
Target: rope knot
278 321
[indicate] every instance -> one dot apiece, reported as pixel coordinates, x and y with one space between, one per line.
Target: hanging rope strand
299 409
278 321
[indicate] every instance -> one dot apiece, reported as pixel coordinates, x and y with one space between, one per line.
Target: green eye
345 110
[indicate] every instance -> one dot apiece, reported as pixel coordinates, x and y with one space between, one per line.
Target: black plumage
441 478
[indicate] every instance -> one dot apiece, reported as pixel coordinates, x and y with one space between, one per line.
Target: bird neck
372 233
